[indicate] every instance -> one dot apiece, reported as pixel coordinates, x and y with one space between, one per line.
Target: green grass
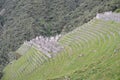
91 52
23 49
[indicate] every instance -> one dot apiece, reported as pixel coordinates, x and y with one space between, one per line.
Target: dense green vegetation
94 55
117 10
26 19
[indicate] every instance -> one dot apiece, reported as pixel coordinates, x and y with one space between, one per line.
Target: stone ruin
47 45
109 16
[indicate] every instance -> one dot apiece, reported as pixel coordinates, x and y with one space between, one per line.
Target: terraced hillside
25 19
91 52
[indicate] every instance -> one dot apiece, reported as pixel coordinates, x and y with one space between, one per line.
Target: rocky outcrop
2 12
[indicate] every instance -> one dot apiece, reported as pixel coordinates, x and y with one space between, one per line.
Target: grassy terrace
91 52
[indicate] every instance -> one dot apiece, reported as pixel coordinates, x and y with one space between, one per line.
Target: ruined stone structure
46 45
109 16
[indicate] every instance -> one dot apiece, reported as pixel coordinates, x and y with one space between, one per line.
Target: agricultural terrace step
73 42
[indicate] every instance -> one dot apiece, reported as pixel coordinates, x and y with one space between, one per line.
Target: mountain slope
91 51
26 19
